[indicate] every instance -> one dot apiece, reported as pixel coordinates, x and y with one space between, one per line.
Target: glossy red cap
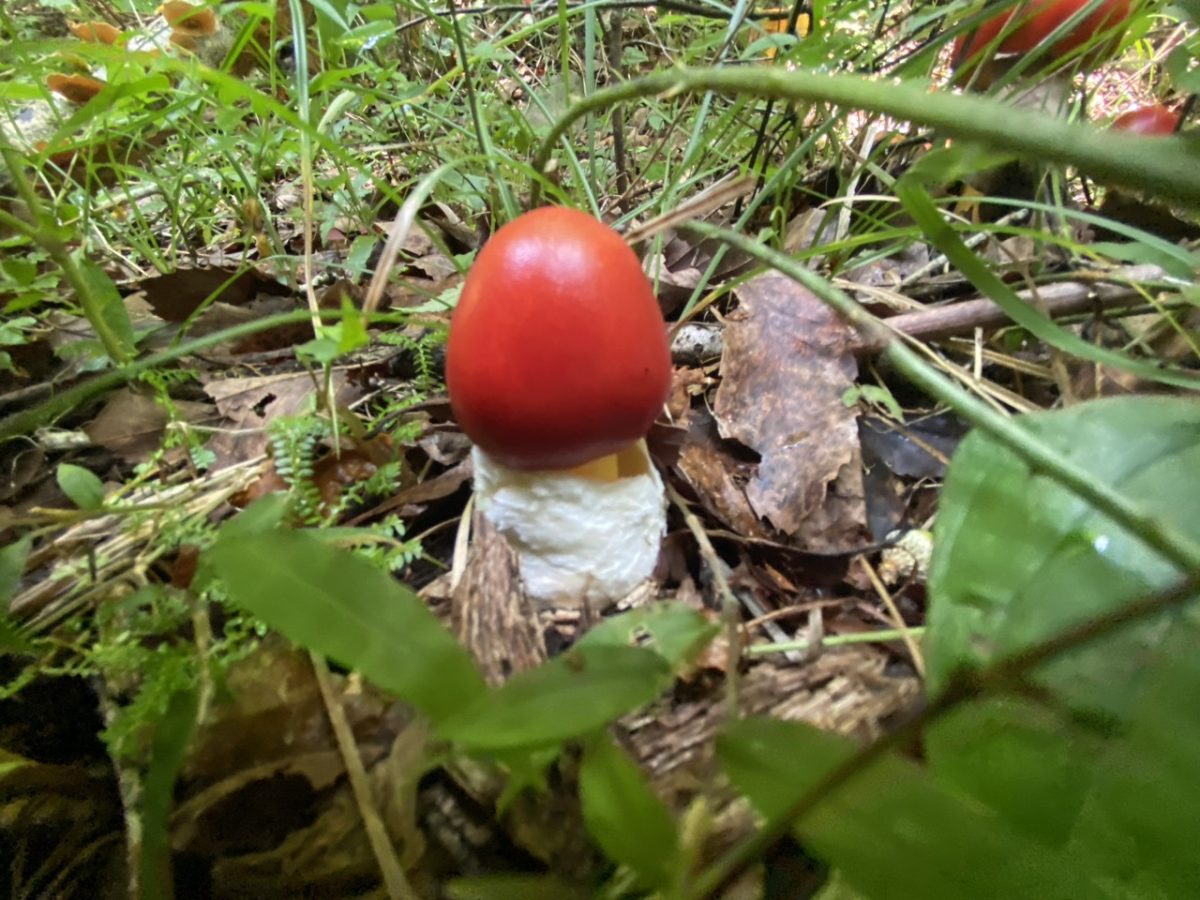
558 352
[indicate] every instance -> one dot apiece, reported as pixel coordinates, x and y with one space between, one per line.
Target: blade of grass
1164 166
918 202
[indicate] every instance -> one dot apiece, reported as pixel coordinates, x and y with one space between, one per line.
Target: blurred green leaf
341 606
572 694
171 736
1142 819
514 887
82 486
625 817
11 639
1018 559
960 160
1020 759
266 514
890 830
674 631
12 564
1180 64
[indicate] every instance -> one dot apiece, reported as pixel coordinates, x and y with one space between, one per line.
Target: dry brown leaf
785 369
131 423
176 295
716 476
250 403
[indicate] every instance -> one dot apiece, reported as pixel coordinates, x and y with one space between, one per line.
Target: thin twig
394 882
837 640
729 602
898 620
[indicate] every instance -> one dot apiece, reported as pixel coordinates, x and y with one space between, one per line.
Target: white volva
577 537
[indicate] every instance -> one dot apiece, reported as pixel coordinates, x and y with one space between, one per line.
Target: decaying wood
1065 298
491 615
846 692
701 342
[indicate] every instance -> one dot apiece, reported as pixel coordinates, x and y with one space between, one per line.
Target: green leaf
11 639
1018 559
890 830
625 817
573 694
352 333
171 736
12 564
82 486
514 887
956 162
1144 814
112 307
1019 759
266 514
340 605
674 631
919 204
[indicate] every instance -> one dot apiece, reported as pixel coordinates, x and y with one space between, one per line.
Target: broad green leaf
674 631
112 307
266 514
1018 559
890 830
82 486
919 204
1141 822
947 164
571 695
11 639
340 605
1020 759
171 736
625 817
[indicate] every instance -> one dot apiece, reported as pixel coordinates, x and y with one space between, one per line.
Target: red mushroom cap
1154 119
1026 25
558 351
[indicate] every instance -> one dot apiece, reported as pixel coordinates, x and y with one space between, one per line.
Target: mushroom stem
578 537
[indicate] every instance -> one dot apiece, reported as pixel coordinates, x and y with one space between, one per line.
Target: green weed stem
44 232
1162 166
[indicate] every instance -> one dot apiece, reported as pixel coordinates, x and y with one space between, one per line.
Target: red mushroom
557 365
1026 27
1152 120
